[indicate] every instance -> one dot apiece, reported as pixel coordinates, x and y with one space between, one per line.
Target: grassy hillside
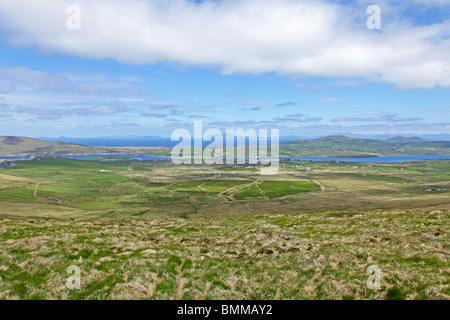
21 145
350 147
11 145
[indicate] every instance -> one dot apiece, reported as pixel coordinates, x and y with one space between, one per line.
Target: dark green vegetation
276 189
152 230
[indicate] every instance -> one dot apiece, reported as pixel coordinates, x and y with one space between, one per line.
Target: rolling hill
11 145
18 146
340 146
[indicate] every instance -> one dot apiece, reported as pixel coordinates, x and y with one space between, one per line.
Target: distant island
330 146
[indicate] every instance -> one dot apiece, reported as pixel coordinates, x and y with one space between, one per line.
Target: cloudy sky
148 67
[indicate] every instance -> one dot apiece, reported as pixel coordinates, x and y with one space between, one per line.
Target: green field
249 192
118 188
213 186
152 230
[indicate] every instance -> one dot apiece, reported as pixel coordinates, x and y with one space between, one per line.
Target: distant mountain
436 137
400 139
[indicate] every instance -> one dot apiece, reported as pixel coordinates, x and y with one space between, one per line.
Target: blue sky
308 68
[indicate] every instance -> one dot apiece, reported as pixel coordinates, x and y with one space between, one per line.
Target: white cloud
114 107
304 38
6 87
20 79
33 78
440 111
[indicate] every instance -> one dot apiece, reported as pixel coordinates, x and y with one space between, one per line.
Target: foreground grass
305 256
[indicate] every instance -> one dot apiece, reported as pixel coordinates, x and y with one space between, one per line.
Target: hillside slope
352 147
400 139
17 146
10 145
